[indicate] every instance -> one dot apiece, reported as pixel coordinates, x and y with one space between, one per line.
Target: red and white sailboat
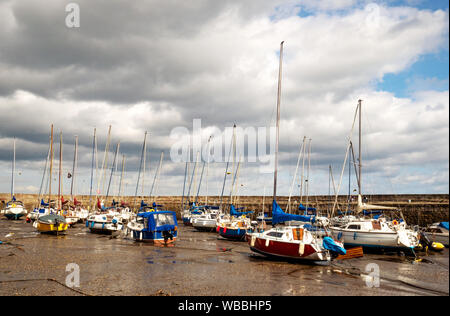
290 242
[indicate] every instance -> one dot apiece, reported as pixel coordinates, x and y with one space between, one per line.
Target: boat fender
301 249
218 229
114 221
239 231
267 242
437 246
252 241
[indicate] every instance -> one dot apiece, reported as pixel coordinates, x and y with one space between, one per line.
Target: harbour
200 264
224 150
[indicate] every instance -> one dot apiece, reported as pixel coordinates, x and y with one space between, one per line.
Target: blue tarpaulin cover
329 244
152 223
233 212
43 203
278 216
444 225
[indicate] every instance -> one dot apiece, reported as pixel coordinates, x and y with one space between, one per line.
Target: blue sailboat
236 226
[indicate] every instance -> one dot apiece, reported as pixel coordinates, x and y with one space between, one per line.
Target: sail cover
444 225
301 207
233 212
278 216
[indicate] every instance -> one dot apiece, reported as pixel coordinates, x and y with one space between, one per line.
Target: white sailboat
14 209
378 232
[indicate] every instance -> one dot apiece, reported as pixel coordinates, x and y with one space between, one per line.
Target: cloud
156 65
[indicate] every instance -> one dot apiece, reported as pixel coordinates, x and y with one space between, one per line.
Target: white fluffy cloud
157 65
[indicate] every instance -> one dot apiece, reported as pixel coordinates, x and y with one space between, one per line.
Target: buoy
437 246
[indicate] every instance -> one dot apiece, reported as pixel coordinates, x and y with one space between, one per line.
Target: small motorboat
51 224
157 227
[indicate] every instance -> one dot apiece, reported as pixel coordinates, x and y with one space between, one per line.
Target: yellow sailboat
52 223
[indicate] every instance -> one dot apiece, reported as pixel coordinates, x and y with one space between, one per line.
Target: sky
158 65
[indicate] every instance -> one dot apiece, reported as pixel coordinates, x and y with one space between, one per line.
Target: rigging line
294 179
345 161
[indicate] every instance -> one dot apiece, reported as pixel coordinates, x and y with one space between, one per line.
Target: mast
184 185
75 157
43 177
200 182
158 174
13 168
293 178
275 174
104 164
112 169
302 179
195 173
307 175
140 168
60 171
94 142
121 176
155 179
226 171
190 183
143 168
360 156
207 170
51 167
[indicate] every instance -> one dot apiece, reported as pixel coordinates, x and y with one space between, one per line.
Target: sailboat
234 225
14 209
105 220
51 223
75 211
372 229
206 220
284 241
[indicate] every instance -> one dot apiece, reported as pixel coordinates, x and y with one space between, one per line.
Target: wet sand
199 264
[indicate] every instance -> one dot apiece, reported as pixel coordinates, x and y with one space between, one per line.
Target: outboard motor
167 235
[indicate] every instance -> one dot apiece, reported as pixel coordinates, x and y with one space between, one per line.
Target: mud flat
199 264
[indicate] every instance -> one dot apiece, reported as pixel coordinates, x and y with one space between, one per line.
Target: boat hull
187 221
156 239
370 240
45 228
12 216
286 250
232 233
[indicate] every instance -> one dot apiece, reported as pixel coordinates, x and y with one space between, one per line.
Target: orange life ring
394 222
